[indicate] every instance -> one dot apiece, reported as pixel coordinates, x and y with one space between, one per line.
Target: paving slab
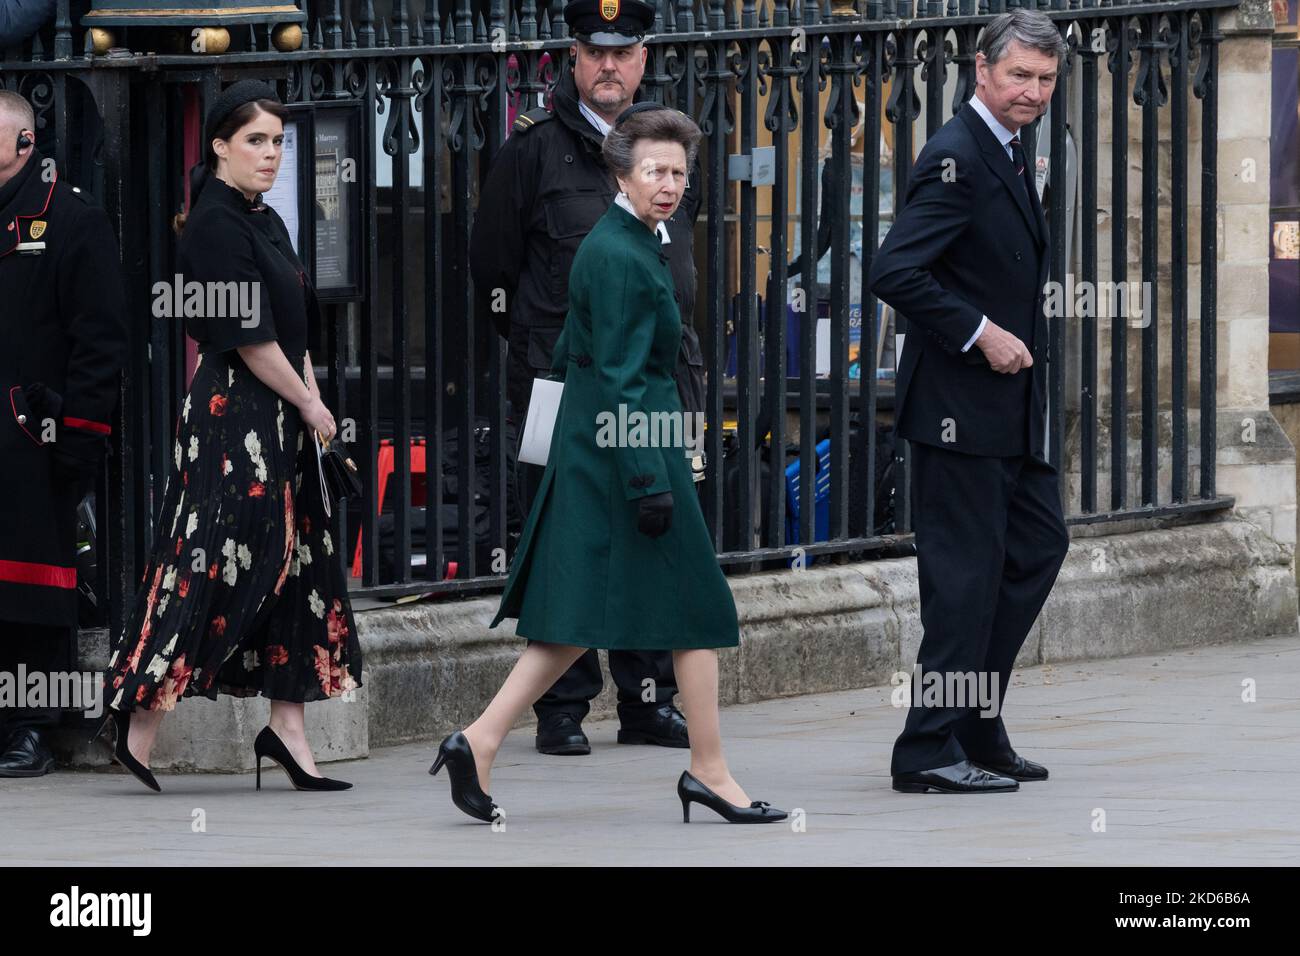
1162 749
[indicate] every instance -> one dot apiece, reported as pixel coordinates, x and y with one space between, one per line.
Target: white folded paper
544 405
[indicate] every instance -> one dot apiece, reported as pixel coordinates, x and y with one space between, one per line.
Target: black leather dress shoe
962 777
1017 768
662 725
25 755
561 735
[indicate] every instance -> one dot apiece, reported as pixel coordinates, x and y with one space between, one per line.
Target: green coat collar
635 226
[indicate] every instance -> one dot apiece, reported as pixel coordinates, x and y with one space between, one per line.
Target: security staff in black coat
547 187
62 345
966 263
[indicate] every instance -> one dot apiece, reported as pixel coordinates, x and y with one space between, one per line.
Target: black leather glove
43 402
655 514
76 455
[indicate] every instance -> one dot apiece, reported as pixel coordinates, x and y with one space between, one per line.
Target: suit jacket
970 241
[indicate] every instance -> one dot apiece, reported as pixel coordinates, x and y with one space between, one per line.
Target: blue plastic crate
821 498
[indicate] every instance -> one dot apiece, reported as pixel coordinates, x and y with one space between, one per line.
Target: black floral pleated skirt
243 592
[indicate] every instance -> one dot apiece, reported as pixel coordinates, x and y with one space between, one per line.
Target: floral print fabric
243 593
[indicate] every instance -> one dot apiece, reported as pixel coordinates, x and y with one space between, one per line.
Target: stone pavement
1184 771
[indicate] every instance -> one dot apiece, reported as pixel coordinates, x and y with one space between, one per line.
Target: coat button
568 157
22 419
1018 257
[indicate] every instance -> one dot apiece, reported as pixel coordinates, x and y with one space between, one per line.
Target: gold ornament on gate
210 41
287 37
101 41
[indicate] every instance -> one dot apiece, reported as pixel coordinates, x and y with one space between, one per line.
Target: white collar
622 200
594 118
1003 134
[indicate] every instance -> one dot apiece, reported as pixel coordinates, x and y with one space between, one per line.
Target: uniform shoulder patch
526 121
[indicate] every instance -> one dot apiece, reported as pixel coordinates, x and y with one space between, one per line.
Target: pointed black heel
691 791
269 745
455 753
121 722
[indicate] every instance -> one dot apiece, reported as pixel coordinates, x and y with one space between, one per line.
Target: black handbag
339 477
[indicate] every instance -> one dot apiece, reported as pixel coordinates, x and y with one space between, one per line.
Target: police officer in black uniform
62 346
547 187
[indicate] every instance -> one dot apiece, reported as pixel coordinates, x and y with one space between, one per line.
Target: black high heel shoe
692 791
466 793
121 722
268 744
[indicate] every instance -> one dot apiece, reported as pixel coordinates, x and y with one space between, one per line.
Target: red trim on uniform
86 425
48 196
16 421
29 572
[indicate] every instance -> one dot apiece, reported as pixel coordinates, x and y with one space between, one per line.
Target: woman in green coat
615 553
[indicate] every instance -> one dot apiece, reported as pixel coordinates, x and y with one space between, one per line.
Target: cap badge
609 10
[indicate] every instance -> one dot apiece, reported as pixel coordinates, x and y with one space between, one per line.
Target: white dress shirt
594 118
622 200
1004 137
598 121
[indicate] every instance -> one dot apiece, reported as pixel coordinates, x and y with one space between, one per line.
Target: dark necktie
1018 154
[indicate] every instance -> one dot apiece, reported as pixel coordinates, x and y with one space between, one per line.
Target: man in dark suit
966 263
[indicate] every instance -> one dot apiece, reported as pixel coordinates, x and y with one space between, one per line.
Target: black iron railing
405 360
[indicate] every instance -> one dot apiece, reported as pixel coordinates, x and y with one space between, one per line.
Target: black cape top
230 239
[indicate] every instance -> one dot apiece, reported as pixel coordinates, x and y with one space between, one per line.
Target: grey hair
666 125
14 107
1028 27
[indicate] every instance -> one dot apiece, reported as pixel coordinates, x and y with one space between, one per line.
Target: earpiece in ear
23 141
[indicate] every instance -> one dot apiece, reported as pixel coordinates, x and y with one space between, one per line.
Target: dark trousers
990 539
39 648
573 692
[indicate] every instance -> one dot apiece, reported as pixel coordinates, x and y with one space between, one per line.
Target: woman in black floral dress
243 593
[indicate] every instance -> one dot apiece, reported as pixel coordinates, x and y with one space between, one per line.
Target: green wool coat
582 573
